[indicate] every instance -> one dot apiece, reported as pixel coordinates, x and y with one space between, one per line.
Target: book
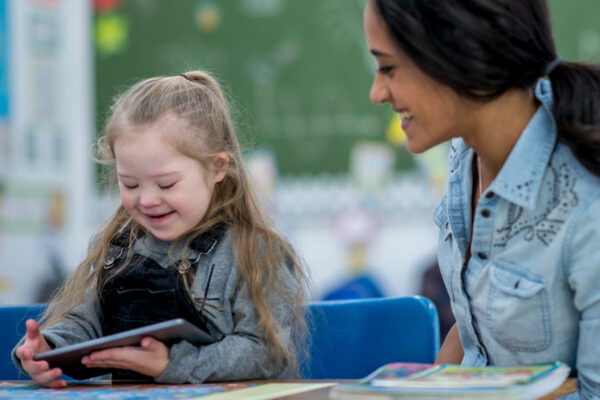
447 381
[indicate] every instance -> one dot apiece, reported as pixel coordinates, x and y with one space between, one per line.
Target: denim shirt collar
520 179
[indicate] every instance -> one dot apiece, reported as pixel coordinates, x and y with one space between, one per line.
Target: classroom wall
45 132
340 185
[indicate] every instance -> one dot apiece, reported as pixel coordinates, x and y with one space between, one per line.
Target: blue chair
12 323
351 338
359 287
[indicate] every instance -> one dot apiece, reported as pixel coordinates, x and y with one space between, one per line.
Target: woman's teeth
405 115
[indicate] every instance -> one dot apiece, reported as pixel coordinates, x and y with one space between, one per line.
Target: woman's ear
220 165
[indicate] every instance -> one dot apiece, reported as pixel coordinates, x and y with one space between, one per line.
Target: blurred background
330 166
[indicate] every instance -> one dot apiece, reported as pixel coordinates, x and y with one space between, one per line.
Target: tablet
68 358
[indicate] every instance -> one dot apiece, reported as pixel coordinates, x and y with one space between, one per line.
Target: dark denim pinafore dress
145 293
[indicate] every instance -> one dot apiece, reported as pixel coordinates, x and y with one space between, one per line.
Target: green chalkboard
576 28
298 71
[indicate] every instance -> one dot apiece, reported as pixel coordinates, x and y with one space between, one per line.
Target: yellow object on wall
394 133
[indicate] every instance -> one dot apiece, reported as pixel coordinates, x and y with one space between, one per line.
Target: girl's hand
39 371
150 358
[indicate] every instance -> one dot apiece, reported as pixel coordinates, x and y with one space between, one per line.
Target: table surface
569 386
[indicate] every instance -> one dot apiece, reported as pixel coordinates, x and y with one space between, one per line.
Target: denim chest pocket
518 310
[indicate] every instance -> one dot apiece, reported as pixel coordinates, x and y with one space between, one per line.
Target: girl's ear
220 165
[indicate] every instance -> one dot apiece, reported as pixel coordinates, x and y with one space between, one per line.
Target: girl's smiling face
431 113
165 191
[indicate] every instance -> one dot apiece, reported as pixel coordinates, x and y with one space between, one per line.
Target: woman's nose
379 92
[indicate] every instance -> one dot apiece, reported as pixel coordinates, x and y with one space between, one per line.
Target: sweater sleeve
243 354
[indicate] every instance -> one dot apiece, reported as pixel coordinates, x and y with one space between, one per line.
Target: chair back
359 287
12 329
352 338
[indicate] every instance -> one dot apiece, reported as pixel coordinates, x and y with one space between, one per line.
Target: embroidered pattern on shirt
521 190
557 187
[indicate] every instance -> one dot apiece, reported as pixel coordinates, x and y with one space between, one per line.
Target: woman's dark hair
481 48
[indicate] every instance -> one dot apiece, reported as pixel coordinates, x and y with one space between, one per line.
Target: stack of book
427 381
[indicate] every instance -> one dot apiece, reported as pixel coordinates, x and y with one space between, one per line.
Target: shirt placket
480 253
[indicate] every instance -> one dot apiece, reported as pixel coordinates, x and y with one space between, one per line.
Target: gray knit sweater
239 351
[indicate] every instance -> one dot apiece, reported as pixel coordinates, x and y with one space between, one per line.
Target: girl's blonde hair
195 97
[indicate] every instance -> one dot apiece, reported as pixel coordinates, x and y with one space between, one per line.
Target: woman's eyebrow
379 53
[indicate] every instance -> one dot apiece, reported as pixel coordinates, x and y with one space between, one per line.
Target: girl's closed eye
166 185
129 185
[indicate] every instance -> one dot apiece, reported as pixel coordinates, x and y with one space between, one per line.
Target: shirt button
483 256
489 195
485 213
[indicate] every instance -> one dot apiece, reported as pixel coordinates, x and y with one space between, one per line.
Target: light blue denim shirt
530 292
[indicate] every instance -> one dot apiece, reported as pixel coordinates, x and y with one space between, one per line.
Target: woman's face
431 113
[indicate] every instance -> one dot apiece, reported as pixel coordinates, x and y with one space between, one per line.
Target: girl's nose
379 91
149 198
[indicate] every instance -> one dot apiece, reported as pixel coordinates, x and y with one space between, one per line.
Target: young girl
519 241
189 240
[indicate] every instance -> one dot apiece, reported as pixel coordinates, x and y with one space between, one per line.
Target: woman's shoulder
575 191
566 165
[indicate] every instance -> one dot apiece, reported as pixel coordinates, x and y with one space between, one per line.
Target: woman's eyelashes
385 69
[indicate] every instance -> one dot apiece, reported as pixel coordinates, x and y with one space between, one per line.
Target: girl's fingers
38 370
34 340
56 384
146 342
33 330
24 353
37 367
49 378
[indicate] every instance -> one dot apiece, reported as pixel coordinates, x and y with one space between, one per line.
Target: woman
519 218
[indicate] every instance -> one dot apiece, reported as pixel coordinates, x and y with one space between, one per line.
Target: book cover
426 381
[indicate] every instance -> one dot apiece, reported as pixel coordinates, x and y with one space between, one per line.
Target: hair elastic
550 67
185 76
